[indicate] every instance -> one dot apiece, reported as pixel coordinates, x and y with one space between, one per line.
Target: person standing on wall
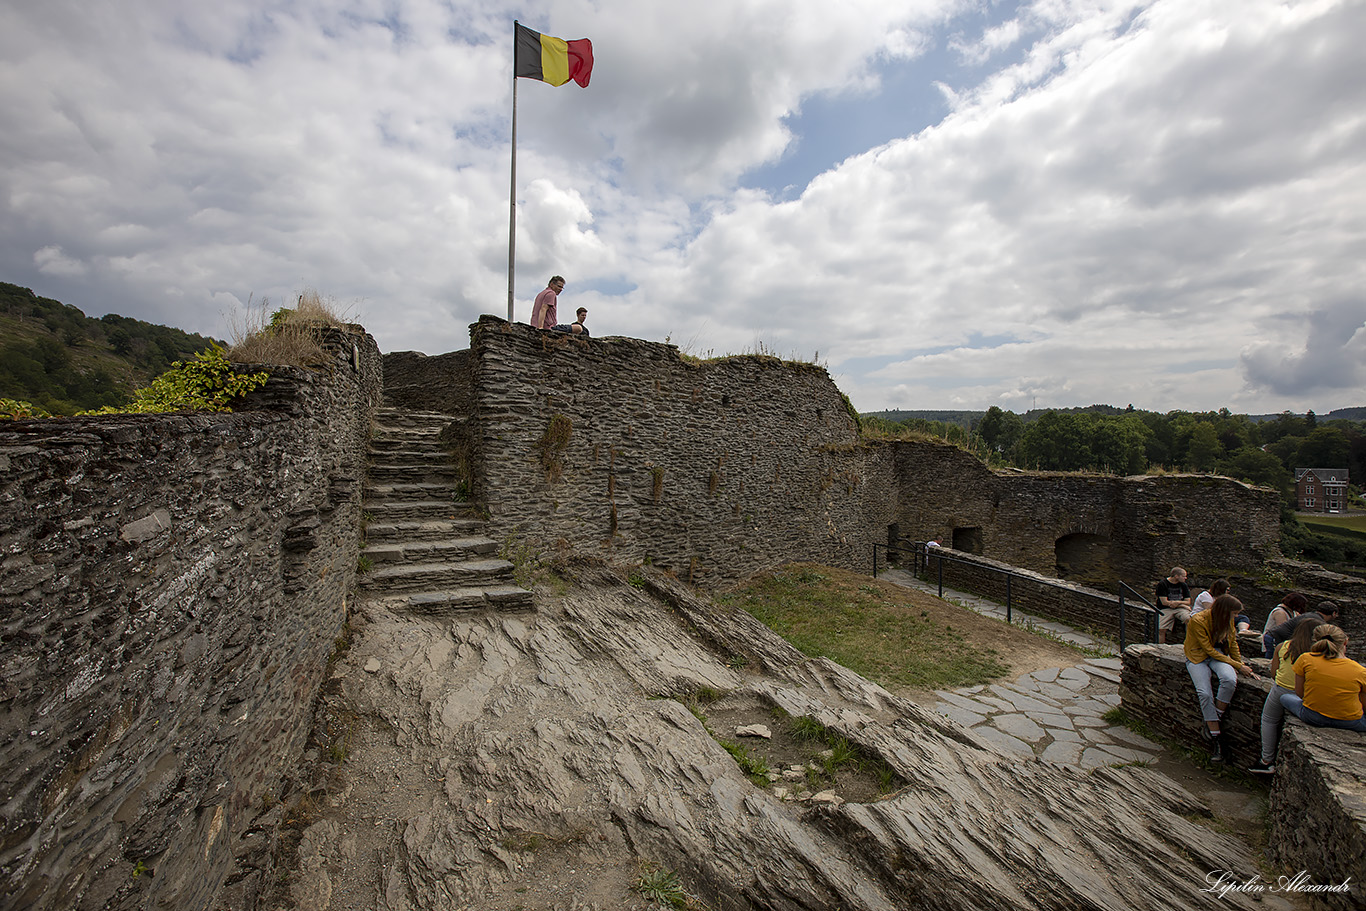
543 315
1174 601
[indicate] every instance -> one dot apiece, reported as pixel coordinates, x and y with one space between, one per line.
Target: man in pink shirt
543 315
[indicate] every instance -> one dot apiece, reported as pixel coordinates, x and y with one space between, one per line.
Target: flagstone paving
1055 713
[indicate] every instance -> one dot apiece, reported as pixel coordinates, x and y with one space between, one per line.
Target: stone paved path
1055 713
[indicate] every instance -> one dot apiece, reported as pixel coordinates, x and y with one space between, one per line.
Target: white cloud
51 260
1141 189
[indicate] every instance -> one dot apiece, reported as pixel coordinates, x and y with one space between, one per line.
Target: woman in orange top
1212 648
1330 688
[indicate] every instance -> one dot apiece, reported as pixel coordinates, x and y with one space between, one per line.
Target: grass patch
874 630
1333 524
839 754
550 448
532 568
755 767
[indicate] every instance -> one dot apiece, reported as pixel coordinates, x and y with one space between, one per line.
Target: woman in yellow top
1212 653
1330 688
1283 681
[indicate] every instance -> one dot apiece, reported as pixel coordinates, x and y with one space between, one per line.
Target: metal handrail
1150 615
921 563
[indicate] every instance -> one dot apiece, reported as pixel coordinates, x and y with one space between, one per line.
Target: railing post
940 563
1121 621
1009 576
874 559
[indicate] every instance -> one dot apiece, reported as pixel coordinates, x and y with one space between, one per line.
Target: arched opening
968 540
1084 558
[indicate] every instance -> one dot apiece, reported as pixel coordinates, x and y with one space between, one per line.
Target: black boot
1220 752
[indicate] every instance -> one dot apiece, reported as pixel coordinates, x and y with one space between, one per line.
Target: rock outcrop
536 760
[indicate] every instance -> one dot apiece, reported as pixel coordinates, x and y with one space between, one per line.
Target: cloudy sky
951 203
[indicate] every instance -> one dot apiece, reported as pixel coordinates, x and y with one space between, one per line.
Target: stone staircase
427 553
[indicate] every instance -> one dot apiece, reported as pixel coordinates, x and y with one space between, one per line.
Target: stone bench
1317 804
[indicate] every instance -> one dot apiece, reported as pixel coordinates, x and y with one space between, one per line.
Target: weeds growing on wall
288 336
14 410
550 448
207 383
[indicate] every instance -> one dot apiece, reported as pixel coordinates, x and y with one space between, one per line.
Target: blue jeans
1272 713
1204 684
1295 705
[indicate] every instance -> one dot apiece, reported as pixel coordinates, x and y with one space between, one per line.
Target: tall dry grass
264 334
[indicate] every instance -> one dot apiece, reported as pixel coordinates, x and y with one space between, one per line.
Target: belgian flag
552 60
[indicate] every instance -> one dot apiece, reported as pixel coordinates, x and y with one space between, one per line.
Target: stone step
401 418
426 444
418 473
385 512
405 451
384 532
391 435
451 550
411 491
410 577
455 600
424 547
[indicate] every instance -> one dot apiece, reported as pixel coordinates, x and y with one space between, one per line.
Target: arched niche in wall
1084 557
969 540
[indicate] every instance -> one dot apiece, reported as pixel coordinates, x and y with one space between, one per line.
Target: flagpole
512 194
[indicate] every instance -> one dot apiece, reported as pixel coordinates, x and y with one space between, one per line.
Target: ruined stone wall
1316 812
717 468
621 447
1156 689
1317 817
171 587
1149 524
429 383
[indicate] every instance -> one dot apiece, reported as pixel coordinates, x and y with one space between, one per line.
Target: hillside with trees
62 361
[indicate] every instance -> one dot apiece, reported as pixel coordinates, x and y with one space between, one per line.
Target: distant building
1321 489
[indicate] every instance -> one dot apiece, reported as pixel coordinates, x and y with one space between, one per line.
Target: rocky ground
555 758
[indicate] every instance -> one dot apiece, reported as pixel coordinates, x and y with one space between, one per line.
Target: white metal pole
512 194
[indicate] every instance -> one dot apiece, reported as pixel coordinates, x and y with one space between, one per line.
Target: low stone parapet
1318 810
1318 794
1156 689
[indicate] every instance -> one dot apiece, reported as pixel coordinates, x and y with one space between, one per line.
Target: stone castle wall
171 587
714 469
429 383
1148 524
620 447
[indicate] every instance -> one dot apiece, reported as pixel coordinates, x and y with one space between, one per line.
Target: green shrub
207 383
14 410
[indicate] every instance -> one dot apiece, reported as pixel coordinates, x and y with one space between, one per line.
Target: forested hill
57 358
